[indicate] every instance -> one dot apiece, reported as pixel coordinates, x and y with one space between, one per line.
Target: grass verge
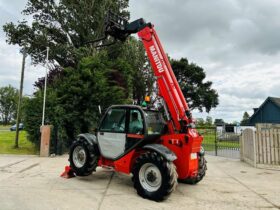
7 142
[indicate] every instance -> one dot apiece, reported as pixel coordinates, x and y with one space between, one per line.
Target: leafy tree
133 52
8 103
65 26
89 86
83 77
199 122
198 93
53 74
72 102
32 114
209 121
219 122
245 119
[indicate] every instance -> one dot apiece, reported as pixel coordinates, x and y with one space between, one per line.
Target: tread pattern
168 172
91 155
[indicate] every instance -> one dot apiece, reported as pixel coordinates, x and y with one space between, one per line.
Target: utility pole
20 97
45 87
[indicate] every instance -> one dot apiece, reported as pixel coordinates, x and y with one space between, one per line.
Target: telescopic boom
168 86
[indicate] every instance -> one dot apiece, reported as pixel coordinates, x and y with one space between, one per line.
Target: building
235 129
268 112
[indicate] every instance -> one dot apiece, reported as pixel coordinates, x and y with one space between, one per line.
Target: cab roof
133 106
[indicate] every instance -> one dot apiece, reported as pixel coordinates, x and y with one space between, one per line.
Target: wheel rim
79 156
150 177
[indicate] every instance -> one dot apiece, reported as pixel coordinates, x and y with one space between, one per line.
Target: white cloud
10 69
236 42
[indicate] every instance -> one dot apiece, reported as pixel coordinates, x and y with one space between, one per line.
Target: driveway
228 153
30 182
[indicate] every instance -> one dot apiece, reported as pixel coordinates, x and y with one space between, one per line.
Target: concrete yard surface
30 182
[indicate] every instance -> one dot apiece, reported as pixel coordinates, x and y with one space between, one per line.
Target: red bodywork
184 142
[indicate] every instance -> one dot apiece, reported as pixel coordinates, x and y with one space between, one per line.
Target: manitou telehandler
157 146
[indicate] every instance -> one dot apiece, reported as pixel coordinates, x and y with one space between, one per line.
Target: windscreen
155 122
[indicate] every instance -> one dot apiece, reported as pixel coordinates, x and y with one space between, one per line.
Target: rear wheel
201 172
154 177
83 157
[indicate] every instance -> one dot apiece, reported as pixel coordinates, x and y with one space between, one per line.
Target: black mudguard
90 138
202 151
163 150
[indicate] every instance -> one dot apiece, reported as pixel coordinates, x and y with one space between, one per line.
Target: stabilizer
67 173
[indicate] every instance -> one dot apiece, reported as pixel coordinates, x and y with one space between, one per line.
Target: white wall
237 129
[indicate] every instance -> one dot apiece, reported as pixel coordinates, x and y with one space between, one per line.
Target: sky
235 41
10 57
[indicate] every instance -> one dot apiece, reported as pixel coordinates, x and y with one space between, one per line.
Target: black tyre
83 157
201 172
153 176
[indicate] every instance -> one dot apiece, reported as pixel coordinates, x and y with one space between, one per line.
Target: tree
72 102
133 52
65 26
90 85
219 122
199 122
198 93
82 77
8 103
245 119
209 121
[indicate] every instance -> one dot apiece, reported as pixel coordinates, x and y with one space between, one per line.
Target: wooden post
247 147
255 149
20 97
272 154
277 147
216 143
241 139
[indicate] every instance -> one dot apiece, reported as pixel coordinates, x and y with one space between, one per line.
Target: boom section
169 89
168 86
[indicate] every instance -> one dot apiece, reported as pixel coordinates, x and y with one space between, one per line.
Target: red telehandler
158 147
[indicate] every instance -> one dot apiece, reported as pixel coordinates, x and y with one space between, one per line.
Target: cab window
155 122
114 121
135 122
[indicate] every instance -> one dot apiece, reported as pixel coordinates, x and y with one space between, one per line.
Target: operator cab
124 127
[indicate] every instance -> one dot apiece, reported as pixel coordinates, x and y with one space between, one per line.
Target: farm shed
268 112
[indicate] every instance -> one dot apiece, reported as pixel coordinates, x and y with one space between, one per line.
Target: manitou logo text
156 59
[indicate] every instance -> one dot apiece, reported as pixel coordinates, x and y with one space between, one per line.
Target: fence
219 144
261 147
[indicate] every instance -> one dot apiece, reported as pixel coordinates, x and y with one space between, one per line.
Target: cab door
112 133
136 128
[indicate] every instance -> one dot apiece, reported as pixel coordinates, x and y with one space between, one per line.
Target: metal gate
220 143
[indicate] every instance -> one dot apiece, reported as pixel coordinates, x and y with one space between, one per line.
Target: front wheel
83 158
154 177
